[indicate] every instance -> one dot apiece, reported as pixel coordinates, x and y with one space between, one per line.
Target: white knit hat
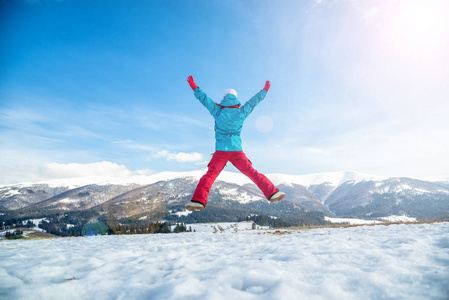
230 91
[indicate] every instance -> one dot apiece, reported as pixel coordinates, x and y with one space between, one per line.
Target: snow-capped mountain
342 193
73 192
376 198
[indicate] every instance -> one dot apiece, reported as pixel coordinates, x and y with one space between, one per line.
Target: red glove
191 82
267 86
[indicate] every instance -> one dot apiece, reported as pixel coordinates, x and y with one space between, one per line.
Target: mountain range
342 194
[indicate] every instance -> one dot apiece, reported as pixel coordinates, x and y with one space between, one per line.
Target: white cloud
15 174
104 168
123 142
179 156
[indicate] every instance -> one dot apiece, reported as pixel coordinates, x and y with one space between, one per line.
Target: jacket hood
230 100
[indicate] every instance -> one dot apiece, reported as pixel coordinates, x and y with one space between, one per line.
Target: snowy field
351 221
367 262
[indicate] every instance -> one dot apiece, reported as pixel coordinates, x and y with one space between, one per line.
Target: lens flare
264 124
420 29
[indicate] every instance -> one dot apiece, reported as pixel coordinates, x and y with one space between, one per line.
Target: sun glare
421 28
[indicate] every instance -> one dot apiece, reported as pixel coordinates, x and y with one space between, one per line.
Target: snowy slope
334 178
376 262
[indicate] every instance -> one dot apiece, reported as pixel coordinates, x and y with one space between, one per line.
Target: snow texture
367 262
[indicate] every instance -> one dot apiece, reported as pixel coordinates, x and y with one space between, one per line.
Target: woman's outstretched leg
241 162
214 168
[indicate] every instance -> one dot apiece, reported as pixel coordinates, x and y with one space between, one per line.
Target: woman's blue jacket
229 121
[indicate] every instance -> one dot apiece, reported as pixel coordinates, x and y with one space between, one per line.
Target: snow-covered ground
399 219
367 262
25 233
36 223
221 227
351 221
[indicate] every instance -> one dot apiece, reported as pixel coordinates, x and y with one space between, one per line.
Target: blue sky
99 87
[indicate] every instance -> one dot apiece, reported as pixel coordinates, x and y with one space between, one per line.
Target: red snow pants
241 162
